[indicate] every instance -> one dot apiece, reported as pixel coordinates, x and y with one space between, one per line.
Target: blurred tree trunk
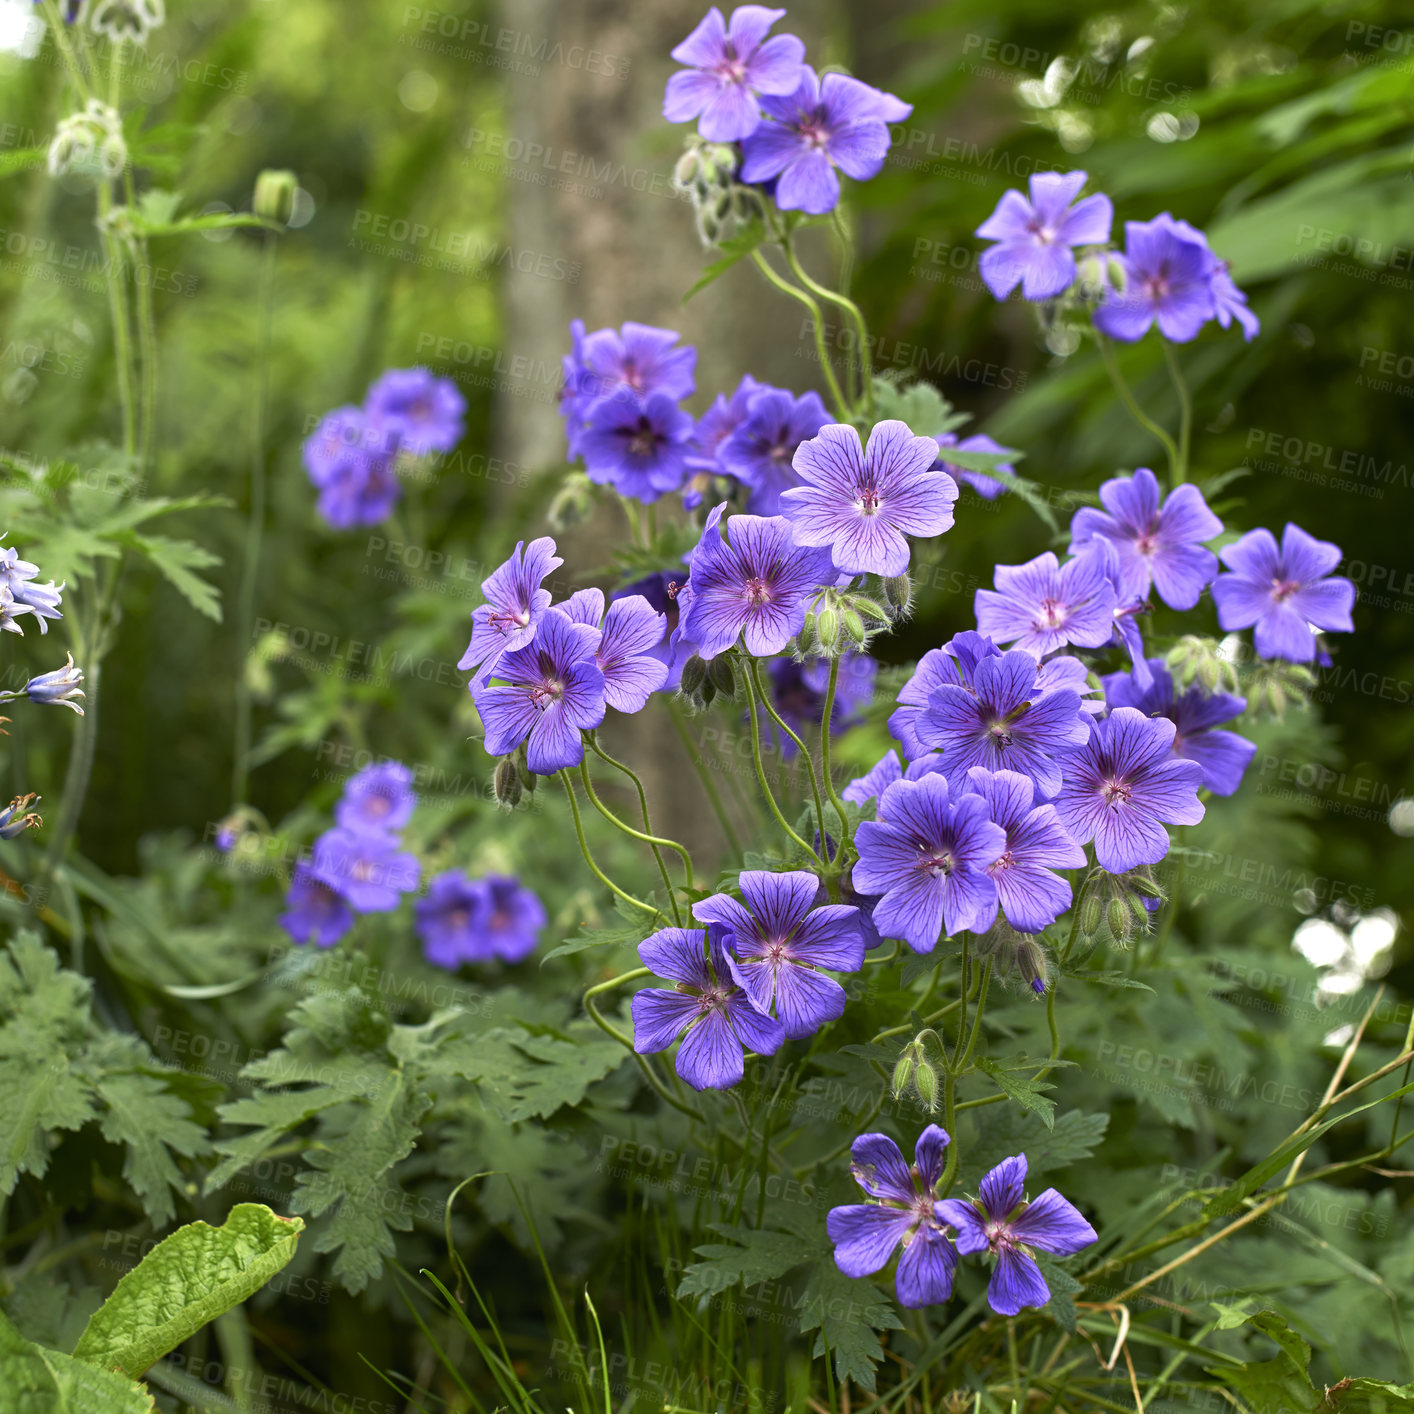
599 195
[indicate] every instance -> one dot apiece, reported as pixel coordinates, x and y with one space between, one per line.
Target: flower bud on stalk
898 595
275 191
528 778
695 684
722 676
506 784
1119 921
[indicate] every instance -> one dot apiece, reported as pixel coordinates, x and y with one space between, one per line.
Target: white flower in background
127 19
91 141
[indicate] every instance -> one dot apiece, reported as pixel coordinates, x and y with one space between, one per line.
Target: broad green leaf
596 938
39 1381
1026 1092
186 1281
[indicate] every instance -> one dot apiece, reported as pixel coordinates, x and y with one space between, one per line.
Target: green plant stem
654 842
822 352
866 365
60 31
118 313
961 1064
594 869
826 770
255 527
753 672
705 776
1107 356
605 1025
761 772
945 1181
1185 411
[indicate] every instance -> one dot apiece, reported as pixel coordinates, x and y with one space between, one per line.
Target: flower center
1147 543
936 860
757 591
780 453
1157 285
500 919
642 439
458 918
547 692
1041 233
729 67
504 621
711 999
814 133
1005 861
1115 792
1283 589
777 952
998 1237
999 734
1052 613
869 500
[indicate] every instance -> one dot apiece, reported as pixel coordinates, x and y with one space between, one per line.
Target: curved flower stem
753 671
825 769
761 770
655 842
610 1029
945 1182
840 401
1107 356
708 784
594 869
866 366
255 526
927 1021
1185 405
961 1064
66 51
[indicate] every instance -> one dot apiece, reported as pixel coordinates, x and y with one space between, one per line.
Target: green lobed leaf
749 1256
1026 1092
176 561
187 1280
848 1314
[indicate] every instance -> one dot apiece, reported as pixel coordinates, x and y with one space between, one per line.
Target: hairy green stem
841 403
255 527
705 776
1185 408
753 672
594 869
866 366
826 770
1107 356
761 772
610 1029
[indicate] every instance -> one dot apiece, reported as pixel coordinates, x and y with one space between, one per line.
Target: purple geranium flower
728 66
514 605
782 942
760 451
1034 238
368 870
861 503
988 487
1154 544
1229 302
754 584
1224 756
552 690
928 855
866 1234
630 635
640 357
379 797
1003 1223
1001 723
661 591
1124 785
428 413
708 1009
823 124
1167 268
350 461
1285 591
478 920
1030 895
798 690
639 445
885 771
1043 605
313 910
719 422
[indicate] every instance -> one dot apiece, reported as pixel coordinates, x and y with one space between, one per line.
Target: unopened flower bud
721 675
1142 882
685 172
827 627
807 641
1141 914
898 595
505 784
925 1082
1090 910
1119 920
903 1072
695 685
528 777
274 198
709 228
854 627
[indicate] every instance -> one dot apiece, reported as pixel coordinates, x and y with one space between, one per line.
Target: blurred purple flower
759 452
1034 238
427 413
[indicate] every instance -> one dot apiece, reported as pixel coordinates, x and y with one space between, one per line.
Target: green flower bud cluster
1194 658
707 173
